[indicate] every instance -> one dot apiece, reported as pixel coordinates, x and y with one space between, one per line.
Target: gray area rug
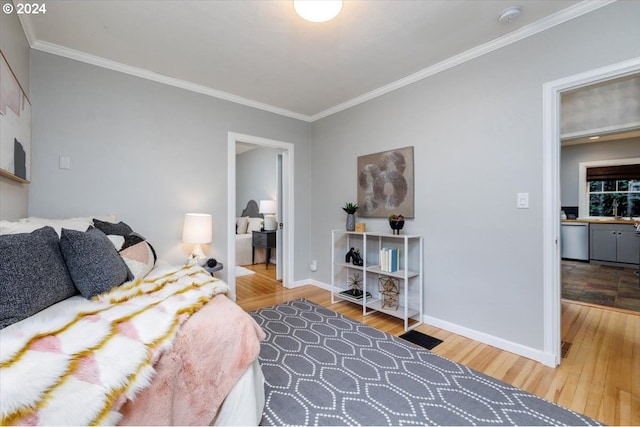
322 368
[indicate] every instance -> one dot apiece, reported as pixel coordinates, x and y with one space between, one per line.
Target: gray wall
572 155
14 196
147 152
477 131
256 177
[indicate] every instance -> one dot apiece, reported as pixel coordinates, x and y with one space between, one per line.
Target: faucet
615 209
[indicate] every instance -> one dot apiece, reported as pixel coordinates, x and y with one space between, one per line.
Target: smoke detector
509 14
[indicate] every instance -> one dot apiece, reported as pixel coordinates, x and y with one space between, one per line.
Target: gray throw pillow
94 264
119 229
33 274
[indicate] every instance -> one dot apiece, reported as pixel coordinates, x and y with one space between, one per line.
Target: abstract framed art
386 184
15 126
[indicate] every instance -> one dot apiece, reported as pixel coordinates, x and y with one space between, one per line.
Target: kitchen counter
603 221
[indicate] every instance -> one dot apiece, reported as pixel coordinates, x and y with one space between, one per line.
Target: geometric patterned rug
322 368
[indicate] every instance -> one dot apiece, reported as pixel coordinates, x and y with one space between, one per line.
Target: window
614 187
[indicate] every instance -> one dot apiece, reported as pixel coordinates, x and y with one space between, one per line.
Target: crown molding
550 21
27 27
160 78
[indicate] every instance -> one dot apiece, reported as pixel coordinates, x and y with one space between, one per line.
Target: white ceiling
261 53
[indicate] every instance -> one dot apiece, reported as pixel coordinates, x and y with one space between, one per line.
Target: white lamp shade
267 207
197 228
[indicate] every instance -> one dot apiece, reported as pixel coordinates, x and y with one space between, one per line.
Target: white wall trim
160 78
583 202
484 338
551 195
528 30
288 217
313 282
494 341
550 21
27 27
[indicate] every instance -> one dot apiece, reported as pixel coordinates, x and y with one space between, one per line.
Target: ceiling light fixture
510 14
594 137
317 10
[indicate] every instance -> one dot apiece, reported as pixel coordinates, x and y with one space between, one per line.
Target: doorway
551 196
285 202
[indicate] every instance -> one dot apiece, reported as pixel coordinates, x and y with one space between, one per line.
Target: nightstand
219 266
263 239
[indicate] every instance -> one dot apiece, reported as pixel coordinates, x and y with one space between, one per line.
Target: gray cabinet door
628 247
603 244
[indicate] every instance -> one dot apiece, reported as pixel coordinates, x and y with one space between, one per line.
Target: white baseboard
315 283
512 347
491 340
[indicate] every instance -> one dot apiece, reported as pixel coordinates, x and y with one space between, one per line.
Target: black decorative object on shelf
355 294
349 257
357 259
396 222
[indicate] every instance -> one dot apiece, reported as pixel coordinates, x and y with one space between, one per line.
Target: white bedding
244 404
247 378
244 245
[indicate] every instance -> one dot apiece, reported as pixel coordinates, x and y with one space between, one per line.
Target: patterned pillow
139 258
120 229
33 275
94 264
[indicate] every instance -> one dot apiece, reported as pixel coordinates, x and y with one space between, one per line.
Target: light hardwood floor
600 376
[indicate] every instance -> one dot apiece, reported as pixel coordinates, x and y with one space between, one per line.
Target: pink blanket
210 353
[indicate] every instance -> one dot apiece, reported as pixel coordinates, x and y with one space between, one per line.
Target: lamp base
270 223
196 255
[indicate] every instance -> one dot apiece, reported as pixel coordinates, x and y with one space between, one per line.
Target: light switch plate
523 201
65 162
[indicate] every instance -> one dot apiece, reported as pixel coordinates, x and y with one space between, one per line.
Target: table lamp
197 230
268 208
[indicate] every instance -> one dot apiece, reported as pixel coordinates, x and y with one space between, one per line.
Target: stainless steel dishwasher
574 240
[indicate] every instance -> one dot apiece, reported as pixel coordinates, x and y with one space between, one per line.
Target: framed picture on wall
15 126
386 184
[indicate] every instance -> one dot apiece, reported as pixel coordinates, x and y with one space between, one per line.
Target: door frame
551 195
288 217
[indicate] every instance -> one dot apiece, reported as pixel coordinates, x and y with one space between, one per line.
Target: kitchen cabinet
615 244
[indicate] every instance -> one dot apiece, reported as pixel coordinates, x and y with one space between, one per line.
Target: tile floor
600 284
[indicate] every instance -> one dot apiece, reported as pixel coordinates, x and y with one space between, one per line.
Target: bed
249 220
154 350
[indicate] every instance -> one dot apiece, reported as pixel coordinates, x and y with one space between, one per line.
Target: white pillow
88 219
7 227
241 224
79 224
255 224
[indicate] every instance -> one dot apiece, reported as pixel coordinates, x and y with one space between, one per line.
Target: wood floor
600 376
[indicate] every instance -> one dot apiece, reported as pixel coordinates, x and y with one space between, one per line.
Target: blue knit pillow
33 274
94 264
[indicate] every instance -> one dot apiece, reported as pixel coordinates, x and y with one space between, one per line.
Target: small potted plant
351 209
396 222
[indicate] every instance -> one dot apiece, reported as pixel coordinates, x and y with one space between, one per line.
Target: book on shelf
389 260
354 294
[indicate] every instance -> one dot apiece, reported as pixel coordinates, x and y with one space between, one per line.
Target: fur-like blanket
81 367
